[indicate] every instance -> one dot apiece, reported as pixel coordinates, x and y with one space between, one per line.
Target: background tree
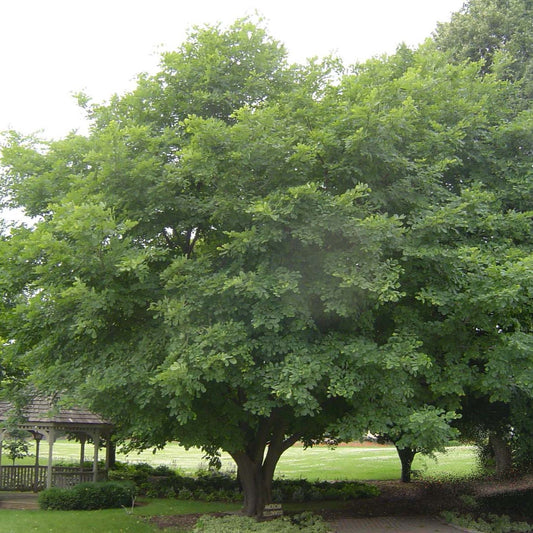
498 32
477 306
425 430
15 440
435 147
16 445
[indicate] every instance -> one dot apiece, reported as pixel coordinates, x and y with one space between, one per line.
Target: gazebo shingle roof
42 410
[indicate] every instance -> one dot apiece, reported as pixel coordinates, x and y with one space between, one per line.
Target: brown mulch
488 487
395 499
428 497
403 499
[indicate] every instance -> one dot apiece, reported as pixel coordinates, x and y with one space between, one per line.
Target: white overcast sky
50 49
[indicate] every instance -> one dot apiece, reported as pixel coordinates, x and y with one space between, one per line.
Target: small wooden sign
273 509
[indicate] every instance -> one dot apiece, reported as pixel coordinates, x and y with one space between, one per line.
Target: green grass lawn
105 521
343 462
347 462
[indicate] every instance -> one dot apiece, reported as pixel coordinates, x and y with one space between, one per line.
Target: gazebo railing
67 477
23 477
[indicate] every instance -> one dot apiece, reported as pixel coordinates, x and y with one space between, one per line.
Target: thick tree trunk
406 458
502 454
256 470
254 485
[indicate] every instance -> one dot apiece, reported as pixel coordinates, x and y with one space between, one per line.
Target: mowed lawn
323 463
106 520
370 462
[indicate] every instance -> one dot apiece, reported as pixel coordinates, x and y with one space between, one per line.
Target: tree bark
406 458
256 470
502 454
256 494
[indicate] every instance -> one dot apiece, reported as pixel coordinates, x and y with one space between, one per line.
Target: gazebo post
37 436
82 451
51 440
108 453
95 459
1 444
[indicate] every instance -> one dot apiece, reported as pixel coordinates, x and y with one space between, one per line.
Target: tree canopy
497 32
245 253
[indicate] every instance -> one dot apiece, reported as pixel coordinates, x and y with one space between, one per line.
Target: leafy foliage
295 250
285 490
88 496
212 485
303 522
489 523
495 31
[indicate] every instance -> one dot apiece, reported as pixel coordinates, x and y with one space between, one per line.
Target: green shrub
88 496
288 490
88 465
241 524
162 482
213 485
163 470
58 499
213 480
185 494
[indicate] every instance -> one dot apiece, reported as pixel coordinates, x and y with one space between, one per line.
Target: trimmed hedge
161 482
301 490
88 496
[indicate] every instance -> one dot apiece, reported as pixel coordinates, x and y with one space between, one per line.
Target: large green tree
499 33
189 272
244 253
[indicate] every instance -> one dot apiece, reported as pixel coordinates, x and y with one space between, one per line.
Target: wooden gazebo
41 418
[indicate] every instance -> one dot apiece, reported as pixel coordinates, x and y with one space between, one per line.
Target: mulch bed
403 499
428 497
